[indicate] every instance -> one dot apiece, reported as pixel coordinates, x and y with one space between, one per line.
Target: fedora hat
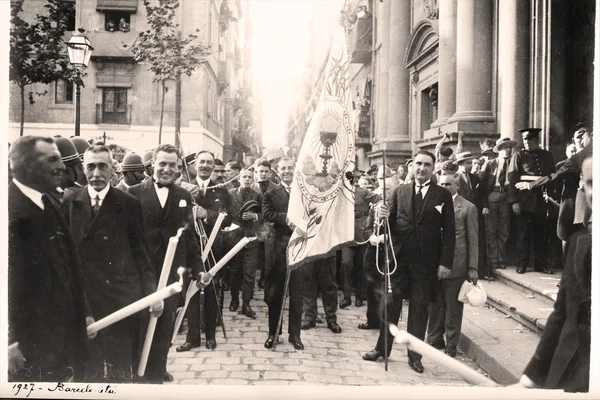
68 152
249 206
132 162
503 142
464 156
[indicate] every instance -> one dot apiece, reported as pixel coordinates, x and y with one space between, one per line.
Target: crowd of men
88 236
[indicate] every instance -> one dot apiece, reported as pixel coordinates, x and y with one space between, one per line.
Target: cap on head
190 158
528 133
503 143
81 145
132 162
147 158
68 152
583 125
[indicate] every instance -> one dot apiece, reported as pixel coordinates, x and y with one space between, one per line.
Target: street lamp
80 51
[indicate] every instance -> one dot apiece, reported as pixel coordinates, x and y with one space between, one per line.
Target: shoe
167 377
307 325
546 271
247 311
270 342
372 355
187 346
335 328
438 344
233 306
296 342
451 351
210 344
366 325
416 365
358 302
521 270
488 278
347 302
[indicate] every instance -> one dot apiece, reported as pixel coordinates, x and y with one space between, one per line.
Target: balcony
222 80
117 117
361 41
116 5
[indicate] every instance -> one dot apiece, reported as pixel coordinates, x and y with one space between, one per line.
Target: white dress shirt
30 193
93 193
162 193
424 189
203 184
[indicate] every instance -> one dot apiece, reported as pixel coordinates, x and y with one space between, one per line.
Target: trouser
157 359
261 262
243 273
482 263
445 315
353 260
497 229
209 315
530 227
320 274
373 280
274 297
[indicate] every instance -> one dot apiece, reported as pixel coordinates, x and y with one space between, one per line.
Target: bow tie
160 185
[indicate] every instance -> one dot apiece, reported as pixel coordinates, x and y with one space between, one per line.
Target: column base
397 149
472 116
439 122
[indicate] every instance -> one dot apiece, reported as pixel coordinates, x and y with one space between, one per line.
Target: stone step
530 310
541 286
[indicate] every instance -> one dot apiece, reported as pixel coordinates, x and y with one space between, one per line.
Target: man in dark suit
107 227
245 209
494 185
275 207
210 201
166 207
530 206
445 314
421 218
47 310
562 357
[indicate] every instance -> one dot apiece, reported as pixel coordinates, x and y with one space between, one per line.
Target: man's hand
446 136
485 211
249 216
88 321
443 272
203 280
516 209
524 383
523 185
16 361
200 212
473 276
382 211
461 134
156 309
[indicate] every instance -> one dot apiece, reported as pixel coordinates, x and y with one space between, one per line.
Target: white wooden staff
206 278
162 282
450 363
213 235
135 307
192 290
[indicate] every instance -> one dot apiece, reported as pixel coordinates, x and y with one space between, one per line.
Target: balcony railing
113 118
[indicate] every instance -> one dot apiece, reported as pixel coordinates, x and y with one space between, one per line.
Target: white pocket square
439 208
182 203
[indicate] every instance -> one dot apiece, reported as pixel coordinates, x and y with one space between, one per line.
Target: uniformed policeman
530 207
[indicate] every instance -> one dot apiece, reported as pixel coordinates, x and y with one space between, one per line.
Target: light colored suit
467 243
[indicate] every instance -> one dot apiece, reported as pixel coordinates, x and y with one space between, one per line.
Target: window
70 17
63 92
115 21
114 106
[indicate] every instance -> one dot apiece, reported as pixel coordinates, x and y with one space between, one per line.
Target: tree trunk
162 111
22 109
178 111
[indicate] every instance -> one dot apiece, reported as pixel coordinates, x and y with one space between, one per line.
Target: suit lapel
153 202
110 207
457 207
407 201
82 217
172 202
428 201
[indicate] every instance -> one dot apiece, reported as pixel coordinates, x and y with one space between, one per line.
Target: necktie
419 197
502 176
46 201
96 206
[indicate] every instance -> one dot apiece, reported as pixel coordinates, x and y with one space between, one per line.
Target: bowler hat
132 162
249 206
68 152
80 144
464 156
504 142
527 133
147 158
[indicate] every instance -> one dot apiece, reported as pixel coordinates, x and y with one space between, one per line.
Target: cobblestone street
328 358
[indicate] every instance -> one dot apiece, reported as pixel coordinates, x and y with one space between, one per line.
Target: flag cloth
321 207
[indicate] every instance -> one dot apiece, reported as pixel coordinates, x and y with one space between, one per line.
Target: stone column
399 81
446 62
514 34
474 61
381 85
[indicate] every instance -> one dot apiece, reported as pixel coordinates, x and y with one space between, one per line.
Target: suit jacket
40 316
121 186
274 208
114 252
536 163
487 179
214 201
256 187
466 248
472 194
429 234
160 224
249 228
562 357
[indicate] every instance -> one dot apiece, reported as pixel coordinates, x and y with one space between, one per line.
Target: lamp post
80 51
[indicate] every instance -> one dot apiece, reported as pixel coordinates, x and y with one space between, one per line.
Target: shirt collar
32 194
424 185
93 193
203 183
454 196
